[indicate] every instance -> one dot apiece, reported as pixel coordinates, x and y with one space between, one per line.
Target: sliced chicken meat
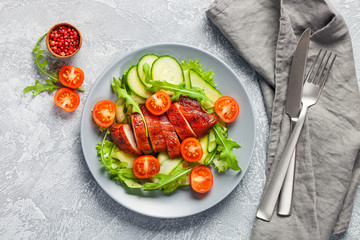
171 138
200 121
123 138
181 125
154 129
139 129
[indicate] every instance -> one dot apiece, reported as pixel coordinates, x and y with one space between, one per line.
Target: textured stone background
46 189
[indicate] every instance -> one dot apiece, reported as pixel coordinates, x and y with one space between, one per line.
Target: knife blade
296 77
292 108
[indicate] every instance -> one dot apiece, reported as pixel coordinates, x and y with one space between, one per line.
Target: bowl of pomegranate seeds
63 40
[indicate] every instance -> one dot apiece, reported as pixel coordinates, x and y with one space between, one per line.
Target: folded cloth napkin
265 33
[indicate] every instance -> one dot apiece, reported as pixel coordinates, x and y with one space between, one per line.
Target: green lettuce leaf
194 65
220 165
225 147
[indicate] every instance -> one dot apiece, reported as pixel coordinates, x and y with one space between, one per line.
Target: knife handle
271 194
286 194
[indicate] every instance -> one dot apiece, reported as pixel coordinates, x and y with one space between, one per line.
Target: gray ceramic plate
184 201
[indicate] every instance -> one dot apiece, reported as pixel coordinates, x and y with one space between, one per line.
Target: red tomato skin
190 144
112 107
146 166
152 103
231 105
205 175
70 96
74 72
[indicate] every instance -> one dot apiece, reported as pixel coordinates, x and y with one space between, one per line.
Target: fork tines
322 68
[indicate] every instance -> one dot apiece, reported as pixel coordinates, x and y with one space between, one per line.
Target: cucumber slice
204 143
167 68
123 156
209 158
186 182
135 85
149 59
137 99
198 81
167 165
187 79
211 141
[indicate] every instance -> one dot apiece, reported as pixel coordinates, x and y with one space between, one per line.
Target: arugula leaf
194 65
38 57
113 166
178 90
225 148
168 183
123 94
40 87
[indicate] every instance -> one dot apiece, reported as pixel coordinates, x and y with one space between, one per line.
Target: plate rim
134 51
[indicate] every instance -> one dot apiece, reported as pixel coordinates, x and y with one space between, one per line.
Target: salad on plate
168 127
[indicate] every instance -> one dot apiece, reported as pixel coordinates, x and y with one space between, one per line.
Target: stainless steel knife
292 107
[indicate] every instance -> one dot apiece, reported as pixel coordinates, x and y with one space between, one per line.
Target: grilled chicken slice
200 121
139 129
154 129
181 125
171 138
123 138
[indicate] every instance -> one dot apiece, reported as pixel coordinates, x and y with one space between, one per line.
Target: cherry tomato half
191 150
227 109
201 179
104 113
67 99
71 77
158 103
146 166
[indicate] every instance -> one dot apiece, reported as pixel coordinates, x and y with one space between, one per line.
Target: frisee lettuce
194 65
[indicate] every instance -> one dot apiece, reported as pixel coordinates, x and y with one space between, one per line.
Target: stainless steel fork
314 83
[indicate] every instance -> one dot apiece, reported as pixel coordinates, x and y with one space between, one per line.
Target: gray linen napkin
265 33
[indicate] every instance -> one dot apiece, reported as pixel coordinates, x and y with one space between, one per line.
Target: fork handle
267 205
